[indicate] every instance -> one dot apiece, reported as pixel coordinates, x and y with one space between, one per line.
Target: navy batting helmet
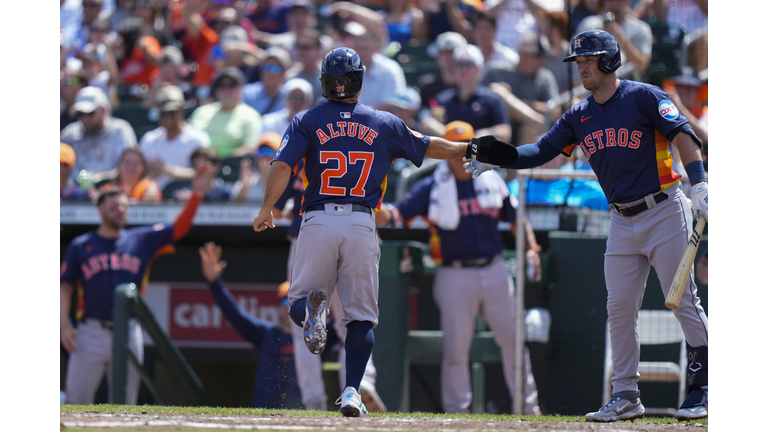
597 42
342 74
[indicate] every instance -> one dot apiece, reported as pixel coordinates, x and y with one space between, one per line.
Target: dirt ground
283 422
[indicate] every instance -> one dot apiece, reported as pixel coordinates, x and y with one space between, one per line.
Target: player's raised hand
204 172
210 257
263 220
69 337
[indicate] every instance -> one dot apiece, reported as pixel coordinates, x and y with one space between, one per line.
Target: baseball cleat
315 333
694 407
351 403
622 406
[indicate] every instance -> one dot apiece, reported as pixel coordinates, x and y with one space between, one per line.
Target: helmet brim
573 56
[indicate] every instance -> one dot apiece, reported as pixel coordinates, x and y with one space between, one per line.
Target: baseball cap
169 98
270 139
233 34
446 41
230 72
408 99
303 4
171 54
469 53
281 55
531 43
297 84
67 155
687 76
89 98
459 131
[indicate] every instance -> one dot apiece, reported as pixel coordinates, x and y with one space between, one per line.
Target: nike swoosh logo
585 119
307 219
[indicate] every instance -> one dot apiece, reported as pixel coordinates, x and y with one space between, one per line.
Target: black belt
480 262
639 208
355 208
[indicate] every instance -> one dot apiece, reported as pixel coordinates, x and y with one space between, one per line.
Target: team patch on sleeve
416 134
668 110
282 144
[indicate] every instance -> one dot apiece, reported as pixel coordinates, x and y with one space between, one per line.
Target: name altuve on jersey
347 129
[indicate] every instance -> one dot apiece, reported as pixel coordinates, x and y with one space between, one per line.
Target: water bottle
85 179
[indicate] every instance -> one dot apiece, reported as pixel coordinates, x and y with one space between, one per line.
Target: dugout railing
127 301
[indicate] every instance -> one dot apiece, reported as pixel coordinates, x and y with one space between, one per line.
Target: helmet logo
577 42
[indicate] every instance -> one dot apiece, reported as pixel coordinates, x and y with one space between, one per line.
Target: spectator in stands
136 53
469 101
254 179
530 83
383 76
405 105
276 383
119 12
239 52
309 52
133 178
69 190
582 9
443 16
73 78
373 23
214 192
172 68
100 31
100 64
168 149
97 138
432 84
297 97
519 18
91 10
234 127
199 39
554 27
270 16
151 12
302 16
633 35
482 29
689 15
70 17
405 22
264 96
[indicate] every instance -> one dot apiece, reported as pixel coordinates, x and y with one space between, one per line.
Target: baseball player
97 262
626 130
472 277
347 149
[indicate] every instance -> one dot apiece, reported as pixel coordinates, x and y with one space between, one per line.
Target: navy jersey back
627 140
98 265
476 236
348 149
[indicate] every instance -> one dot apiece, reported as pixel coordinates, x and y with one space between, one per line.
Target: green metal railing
127 300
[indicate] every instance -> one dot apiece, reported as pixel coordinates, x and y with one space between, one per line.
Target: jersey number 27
334 173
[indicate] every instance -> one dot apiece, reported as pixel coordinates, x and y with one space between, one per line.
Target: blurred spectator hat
407 99
532 43
169 98
469 53
304 4
89 98
281 55
270 139
236 38
172 54
446 41
459 131
297 84
232 73
67 155
687 77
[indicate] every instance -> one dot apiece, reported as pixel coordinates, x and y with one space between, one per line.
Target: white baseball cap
446 41
469 53
88 99
297 84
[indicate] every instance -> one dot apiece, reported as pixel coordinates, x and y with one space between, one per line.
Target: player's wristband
696 172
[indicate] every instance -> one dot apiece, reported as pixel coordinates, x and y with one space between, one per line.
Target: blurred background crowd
151 88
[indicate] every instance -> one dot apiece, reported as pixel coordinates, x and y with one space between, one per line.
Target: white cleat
351 404
624 405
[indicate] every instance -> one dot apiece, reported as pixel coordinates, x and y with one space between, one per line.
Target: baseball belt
636 209
355 208
479 262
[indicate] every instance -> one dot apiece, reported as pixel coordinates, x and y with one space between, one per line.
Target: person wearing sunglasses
169 147
297 97
97 138
265 96
233 126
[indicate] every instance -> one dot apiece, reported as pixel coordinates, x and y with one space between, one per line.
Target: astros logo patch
668 110
577 42
282 144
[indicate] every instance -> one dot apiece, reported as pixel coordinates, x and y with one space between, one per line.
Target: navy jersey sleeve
250 328
416 201
562 135
660 110
295 143
154 237
70 267
408 144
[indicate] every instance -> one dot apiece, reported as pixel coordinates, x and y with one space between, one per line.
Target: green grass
157 409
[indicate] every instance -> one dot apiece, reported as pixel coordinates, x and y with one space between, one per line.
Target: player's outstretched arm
529 156
488 149
68 333
203 175
277 181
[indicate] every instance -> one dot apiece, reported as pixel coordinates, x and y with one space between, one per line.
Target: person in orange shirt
200 38
137 53
132 178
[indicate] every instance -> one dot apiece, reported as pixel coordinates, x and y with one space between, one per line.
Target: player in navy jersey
347 148
95 264
276 386
626 130
472 278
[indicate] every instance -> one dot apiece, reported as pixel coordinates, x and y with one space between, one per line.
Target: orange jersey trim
664 162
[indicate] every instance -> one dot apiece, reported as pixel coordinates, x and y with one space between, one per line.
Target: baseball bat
684 269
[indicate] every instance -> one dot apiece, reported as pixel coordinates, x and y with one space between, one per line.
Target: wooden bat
684 269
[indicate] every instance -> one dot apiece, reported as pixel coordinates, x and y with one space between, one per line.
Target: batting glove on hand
476 168
700 200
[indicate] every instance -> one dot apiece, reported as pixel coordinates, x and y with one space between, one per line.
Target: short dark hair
208 153
483 15
108 191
